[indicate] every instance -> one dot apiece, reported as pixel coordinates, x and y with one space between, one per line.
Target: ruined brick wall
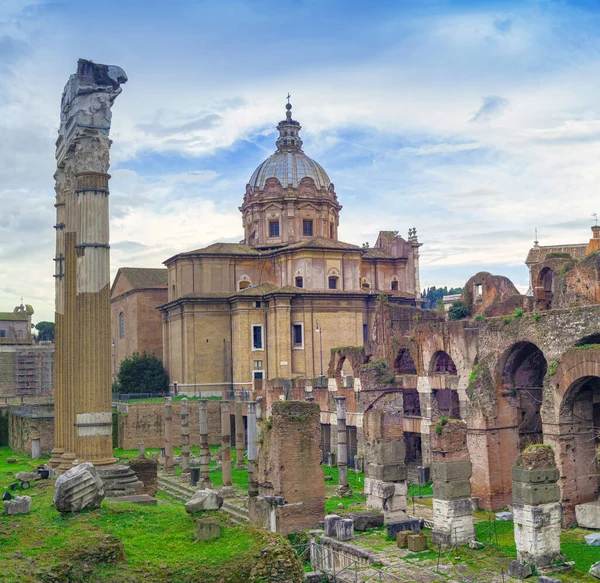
289 464
144 422
8 360
21 430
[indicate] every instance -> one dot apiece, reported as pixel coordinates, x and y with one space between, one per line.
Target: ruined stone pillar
185 437
239 435
227 488
451 473
342 450
141 451
252 448
83 417
536 506
168 435
205 481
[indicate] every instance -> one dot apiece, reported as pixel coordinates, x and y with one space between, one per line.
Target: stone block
588 515
452 490
332 459
143 499
27 476
18 505
204 500
329 524
146 471
402 538
544 579
535 476
412 524
207 529
595 570
505 516
519 570
359 463
532 494
476 545
451 471
417 542
365 520
344 529
387 472
78 488
592 540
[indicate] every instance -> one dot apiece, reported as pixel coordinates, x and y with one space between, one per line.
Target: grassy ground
158 541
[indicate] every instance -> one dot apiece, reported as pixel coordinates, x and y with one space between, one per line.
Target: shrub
519 313
142 373
458 310
480 318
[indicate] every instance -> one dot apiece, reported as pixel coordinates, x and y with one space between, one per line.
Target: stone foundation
119 481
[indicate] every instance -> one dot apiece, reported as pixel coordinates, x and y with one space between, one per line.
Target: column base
240 466
120 481
343 491
227 492
206 485
66 461
56 457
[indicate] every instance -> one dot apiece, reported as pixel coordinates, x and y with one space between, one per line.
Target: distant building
136 324
26 368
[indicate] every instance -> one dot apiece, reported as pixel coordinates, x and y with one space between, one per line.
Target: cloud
493 106
202 123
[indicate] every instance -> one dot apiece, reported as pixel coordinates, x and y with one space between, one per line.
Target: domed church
273 305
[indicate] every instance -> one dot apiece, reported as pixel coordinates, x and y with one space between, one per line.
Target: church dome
289 167
289 164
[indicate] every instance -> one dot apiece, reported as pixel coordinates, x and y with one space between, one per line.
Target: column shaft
168 435
252 448
185 437
205 481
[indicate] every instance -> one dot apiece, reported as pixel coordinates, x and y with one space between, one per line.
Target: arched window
394 284
121 325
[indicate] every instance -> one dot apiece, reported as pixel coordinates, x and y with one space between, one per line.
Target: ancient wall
144 423
21 430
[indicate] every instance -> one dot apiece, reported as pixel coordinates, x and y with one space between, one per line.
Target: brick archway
572 426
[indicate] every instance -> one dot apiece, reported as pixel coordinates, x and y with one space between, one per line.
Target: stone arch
404 363
346 361
543 288
575 433
591 339
442 363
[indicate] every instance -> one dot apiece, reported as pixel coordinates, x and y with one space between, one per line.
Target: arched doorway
445 400
523 370
544 286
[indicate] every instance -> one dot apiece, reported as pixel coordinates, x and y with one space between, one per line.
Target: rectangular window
121 325
257 363
257 337
365 333
307 227
2 333
258 374
298 335
299 282
273 228
19 333
394 285
258 304
333 283
331 230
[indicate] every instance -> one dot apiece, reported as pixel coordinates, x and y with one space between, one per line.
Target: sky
473 122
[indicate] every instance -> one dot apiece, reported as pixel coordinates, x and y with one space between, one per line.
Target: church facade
275 304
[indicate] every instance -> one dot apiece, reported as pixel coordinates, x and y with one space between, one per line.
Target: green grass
158 540
355 502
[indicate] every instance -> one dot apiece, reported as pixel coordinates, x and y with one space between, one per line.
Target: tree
458 310
142 373
45 331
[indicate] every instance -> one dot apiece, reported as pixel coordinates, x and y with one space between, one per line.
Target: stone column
83 418
451 473
342 450
205 481
536 506
239 435
252 448
168 436
227 488
185 437
141 451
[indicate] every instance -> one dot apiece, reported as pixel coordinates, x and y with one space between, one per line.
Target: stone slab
519 570
592 540
451 471
544 579
505 516
412 524
18 505
387 472
365 520
204 500
138 499
402 538
535 476
532 494
344 529
452 490
588 515
595 570
207 529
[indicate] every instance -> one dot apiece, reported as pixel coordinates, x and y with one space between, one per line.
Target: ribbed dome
289 167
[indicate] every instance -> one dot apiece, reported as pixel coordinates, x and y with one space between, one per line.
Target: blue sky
475 122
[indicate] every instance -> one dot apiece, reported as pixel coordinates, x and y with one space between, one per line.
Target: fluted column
94 411
252 448
185 437
342 450
168 435
205 481
239 435
227 488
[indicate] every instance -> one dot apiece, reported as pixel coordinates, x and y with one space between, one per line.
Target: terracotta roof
13 317
377 253
321 243
145 277
387 236
224 249
537 254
